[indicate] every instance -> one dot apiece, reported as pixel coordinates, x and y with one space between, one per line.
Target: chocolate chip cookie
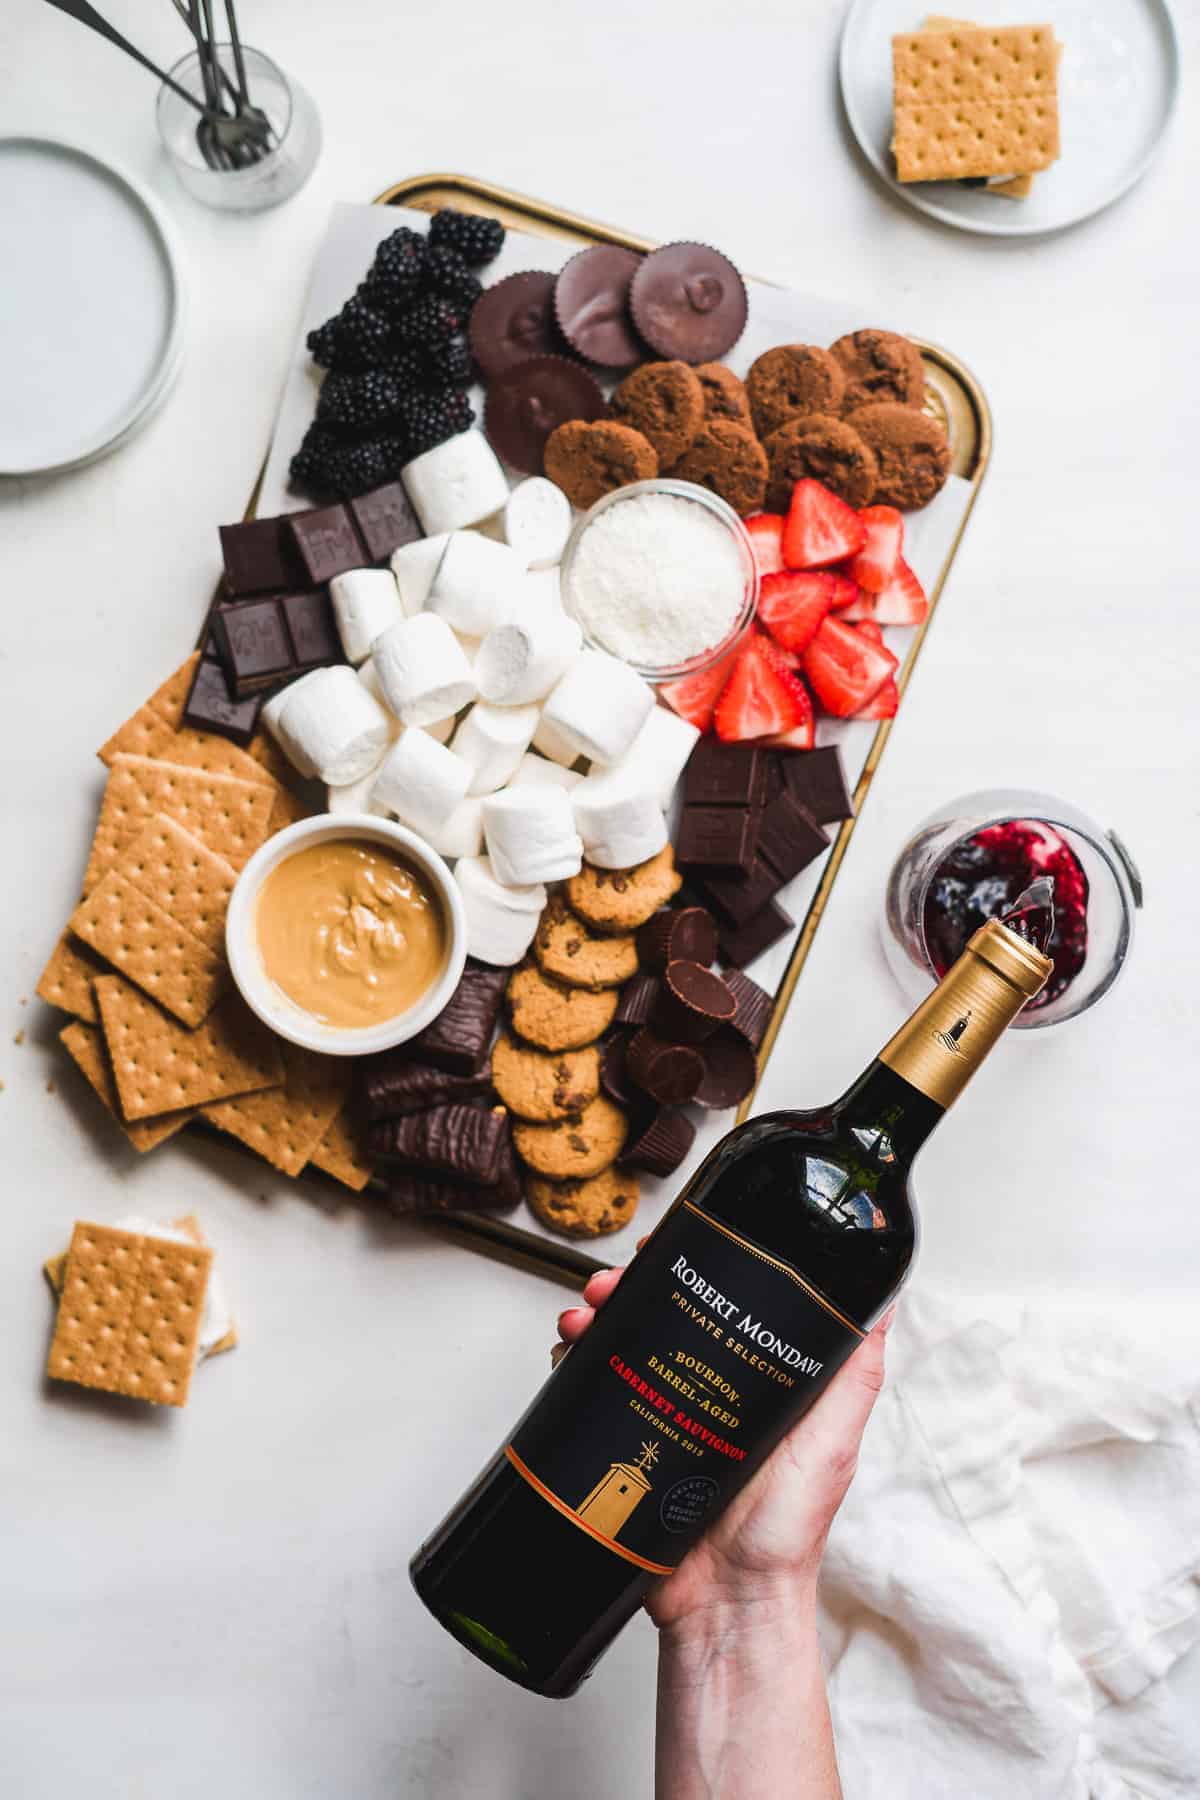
665 402
821 449
585 1209
728 460
725 396
619 900
912 452
573 1148
879 365
589 460
566 949
553 1017
541 1086
790 381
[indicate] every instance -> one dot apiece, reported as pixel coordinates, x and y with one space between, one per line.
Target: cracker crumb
18 1037
52 1086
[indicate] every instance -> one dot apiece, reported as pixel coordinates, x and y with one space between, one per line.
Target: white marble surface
216 1603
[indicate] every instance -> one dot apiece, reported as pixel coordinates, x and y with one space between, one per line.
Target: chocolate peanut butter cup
661 1144
637 1002
591 305
730 1070
754 1007
531 400
691 1003
670 1073
688 301
687 934
513 321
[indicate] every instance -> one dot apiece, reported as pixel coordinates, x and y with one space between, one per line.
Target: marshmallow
457 483
531 835
331 727
523 660
423 670
599 706
551 742
477 585
537 522
414 566
541 593
501 920
660 751
493 740
271 712
368 674
356 798
420 781
546 774
461 833
365 602
619 818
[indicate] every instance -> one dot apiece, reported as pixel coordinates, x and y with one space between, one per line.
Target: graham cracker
342 1153
130 1314
147 730
975 101
287 809
286 1126
266 752
85 1045
158 916
66 981
223 812
55 1269
159 1067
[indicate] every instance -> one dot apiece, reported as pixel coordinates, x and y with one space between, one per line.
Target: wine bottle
769 1269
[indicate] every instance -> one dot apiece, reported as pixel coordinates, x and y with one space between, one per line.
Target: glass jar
294 124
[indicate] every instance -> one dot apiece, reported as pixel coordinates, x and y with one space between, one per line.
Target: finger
601 1286
833 1430
574 1322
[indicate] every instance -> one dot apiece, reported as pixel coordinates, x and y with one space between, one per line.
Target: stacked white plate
91 306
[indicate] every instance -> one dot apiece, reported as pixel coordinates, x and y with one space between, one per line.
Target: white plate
1117 86
91 306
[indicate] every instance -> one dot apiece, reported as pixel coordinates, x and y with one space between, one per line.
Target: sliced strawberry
693 697
791 660
792 604
882 706
845 669
869 629
761 698
766 539
846 590
801 737
902 601
820 528
879 557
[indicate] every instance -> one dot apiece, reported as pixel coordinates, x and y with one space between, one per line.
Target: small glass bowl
294 121
1114 894
719 509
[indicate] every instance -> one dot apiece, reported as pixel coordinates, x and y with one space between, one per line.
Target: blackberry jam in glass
970 861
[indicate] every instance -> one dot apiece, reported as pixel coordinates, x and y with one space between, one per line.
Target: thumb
834 1428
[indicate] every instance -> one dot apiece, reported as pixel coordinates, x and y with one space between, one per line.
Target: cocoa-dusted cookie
588 460
879 365
585 1209
820 449
665 402
724 394
728 460
542 1085
911 450
619 900
553 1017
571 1149
791 380
566 949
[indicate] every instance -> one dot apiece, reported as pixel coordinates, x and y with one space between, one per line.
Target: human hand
766 1548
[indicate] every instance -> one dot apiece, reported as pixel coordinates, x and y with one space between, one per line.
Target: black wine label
707 1353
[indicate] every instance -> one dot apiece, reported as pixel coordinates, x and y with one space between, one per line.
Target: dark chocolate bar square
311 628
253 643
720 774
738 899
326 542
259 557
789 837
385 520
717 837
817 780
211 707
740 944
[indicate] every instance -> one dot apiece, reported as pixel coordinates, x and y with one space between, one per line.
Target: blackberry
446 273
476 239
362 467
429 322
355 339
314 467
409 367
400 256
451 363
433 417
355 402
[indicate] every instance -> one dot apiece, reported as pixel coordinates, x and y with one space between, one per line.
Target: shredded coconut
657 579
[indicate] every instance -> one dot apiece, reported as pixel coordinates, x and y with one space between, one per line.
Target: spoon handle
86 14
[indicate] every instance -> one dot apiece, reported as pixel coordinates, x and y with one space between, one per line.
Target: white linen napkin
1017 1565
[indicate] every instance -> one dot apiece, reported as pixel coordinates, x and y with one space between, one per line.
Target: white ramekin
283 1015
